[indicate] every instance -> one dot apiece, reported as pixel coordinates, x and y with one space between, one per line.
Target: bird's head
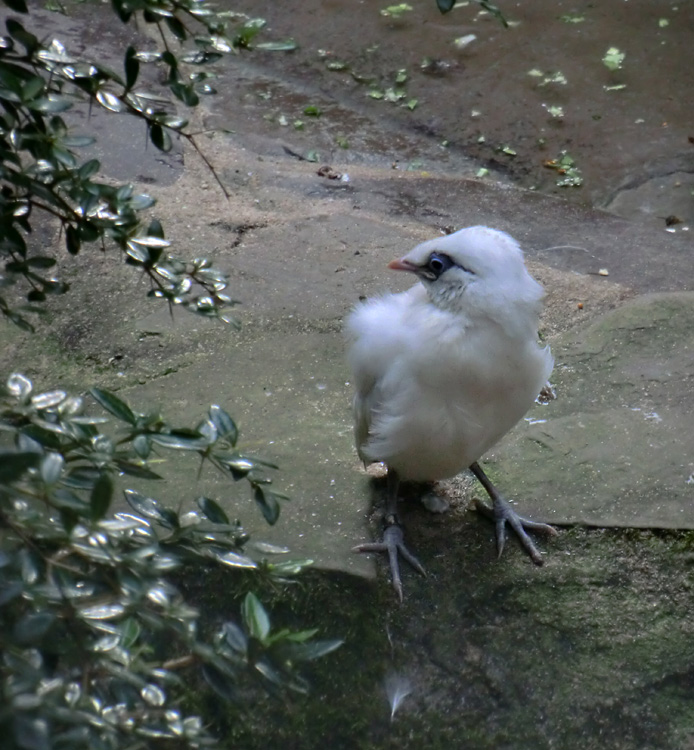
473 268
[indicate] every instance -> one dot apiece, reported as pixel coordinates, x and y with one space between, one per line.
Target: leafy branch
41 172
94 632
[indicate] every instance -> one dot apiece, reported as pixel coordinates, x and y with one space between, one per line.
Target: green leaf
110 101
146 506
89 169
67 501
159 137
255 617
176 27
51 103
179 441
136 470
226 427
235 637
78 141
20 34
186 93
309 651
72 240
141 201
222 683
130 632
268 502
142 446
288 45
100 498
155 229
51 468
232 559
445 5
132 67
114 405
212 510
32 88
33 627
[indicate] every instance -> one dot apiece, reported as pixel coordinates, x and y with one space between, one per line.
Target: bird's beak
401 264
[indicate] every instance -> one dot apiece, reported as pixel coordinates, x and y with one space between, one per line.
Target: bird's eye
439 263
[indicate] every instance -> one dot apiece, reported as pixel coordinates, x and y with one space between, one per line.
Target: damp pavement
594 649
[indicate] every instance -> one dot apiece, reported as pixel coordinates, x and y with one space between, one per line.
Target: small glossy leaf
178 441
110 101
160 138
89 169
223 684
18 385
100 498
309 651
114 405
212 510
232 559
186 93
132 67
142 446
288 45
150 241
235 637
255 617
268 503
47 400
130 632
226 427
51 467
147 506
176 27
66 500
32 627
141 202
82 477
78 141
51 104
72 240
20 34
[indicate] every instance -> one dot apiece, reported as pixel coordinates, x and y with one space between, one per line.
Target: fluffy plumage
445 369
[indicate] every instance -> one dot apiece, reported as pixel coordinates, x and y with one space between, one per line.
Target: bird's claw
393 543
502 513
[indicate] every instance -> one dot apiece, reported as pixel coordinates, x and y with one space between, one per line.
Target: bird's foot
393 543
502 513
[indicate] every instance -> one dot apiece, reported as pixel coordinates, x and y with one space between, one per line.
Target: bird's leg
502 513
393 538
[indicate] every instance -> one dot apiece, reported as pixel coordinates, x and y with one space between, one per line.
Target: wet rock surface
592 650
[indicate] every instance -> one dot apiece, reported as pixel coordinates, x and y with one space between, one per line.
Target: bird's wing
377 335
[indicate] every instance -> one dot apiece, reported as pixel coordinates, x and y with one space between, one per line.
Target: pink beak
402 265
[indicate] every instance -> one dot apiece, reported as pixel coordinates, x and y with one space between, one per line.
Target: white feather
444 370
398 687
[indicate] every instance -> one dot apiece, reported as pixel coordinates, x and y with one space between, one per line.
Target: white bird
445 369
